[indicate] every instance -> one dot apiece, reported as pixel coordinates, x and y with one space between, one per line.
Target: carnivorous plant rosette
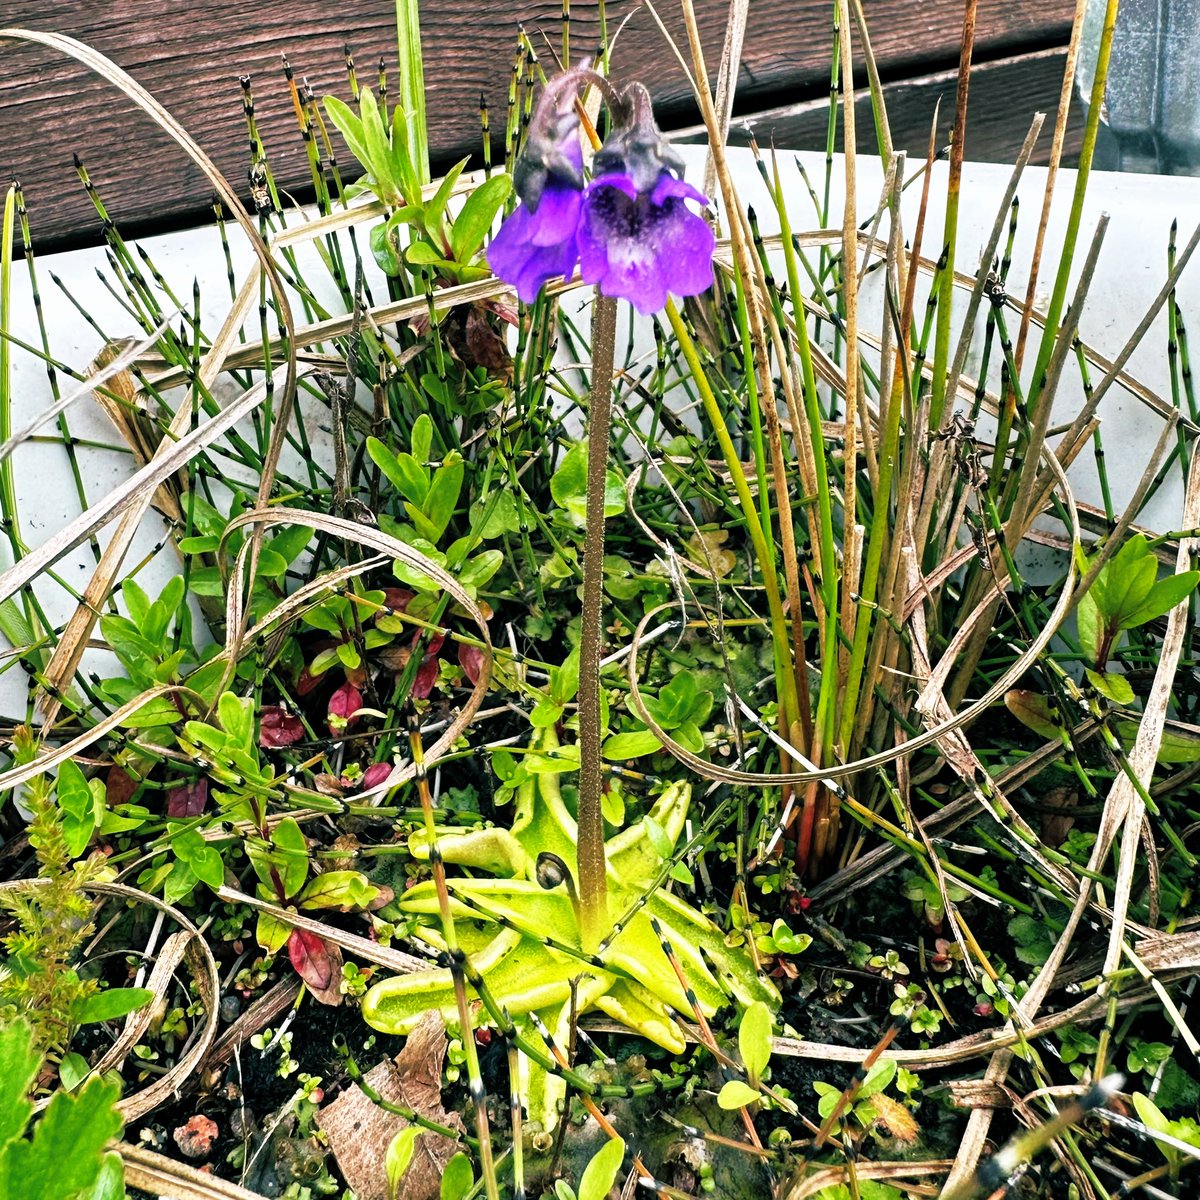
516 917
630 229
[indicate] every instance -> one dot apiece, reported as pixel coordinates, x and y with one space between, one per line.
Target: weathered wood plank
1005 94
190 56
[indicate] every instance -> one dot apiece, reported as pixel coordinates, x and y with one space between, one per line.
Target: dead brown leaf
359 1131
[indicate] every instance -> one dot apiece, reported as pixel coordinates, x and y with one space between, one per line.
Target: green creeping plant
521 931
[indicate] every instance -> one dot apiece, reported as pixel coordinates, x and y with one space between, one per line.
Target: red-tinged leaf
436 642
313 959
308 682
374 775
190 800
119 786
343 704
427 674
472 660
278 727
397 599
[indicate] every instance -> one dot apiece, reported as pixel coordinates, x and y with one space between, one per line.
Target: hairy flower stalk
594 918
633 236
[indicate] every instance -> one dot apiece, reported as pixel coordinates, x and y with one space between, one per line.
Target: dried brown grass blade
727 71
1124 805
134 491
162 1176
189 945
286 610
98 375
832 1177
126 84
384 956
715 771
120 401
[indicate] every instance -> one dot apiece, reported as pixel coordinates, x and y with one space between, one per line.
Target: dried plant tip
637 147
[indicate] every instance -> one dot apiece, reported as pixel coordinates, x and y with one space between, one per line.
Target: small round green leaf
736 1094
600 1173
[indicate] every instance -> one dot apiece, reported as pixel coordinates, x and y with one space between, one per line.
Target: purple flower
631 230
640 245
537 242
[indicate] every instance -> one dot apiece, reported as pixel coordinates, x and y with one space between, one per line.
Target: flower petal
668 187
557 215
633 246
517 258
615 179
686 245
614 252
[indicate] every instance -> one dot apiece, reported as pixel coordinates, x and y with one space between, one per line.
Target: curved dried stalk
188 944
811 774
286 610
69 650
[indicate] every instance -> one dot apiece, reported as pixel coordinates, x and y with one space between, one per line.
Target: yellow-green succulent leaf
632 860
521 975
697 939
543 823
493 850
631 1005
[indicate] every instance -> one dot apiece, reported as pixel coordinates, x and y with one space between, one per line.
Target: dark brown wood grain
1005 95
190 55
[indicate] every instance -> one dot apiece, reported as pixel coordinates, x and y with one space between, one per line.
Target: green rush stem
711 824
784 679
844 1101
1058 297
67 441
485 133
756 429
258 151
8 496
826 715
511 115
922 342
1173 323
1012 408
400 1110
457 960
1185 367
590 863
1110 515
515 1123
602 13
889 454
547 1061
994 1173
941 344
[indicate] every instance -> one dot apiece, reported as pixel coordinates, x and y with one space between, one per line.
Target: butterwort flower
538 241
638 239
630 230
